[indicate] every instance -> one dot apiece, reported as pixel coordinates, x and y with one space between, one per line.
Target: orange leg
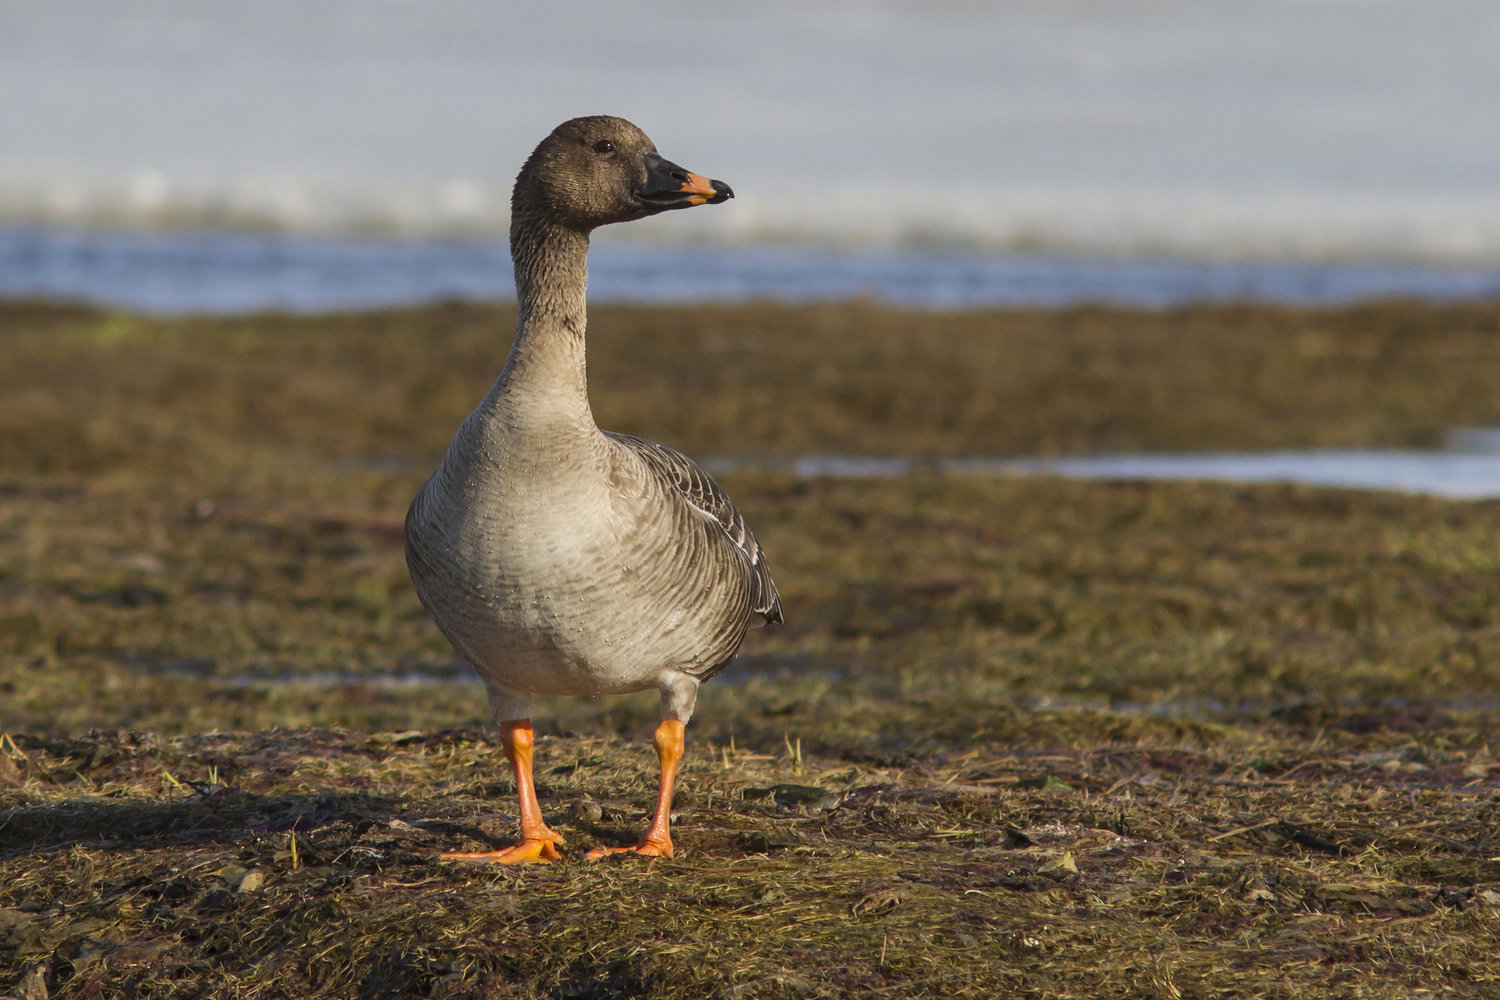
537 839
670 741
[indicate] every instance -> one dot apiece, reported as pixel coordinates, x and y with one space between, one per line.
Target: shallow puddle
1468 469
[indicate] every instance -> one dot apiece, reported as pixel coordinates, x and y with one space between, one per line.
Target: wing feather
700 491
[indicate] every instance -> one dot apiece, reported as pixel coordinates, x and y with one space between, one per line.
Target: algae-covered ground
1019 737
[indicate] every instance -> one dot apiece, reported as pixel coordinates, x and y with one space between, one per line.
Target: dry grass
1161 860
1019 737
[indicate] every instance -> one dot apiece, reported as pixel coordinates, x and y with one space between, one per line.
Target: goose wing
698 488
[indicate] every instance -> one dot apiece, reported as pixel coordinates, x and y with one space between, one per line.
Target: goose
560 559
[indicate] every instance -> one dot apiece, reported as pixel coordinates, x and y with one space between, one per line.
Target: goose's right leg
538 841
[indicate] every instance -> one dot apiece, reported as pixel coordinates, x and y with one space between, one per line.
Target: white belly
548 594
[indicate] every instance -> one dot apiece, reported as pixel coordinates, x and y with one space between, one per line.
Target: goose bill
670 186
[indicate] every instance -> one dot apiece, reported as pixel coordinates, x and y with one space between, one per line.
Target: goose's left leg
670 741
679 695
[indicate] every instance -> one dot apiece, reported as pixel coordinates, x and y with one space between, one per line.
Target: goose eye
604 146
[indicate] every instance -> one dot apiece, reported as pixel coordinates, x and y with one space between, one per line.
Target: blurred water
175 272
1281 129
1453 475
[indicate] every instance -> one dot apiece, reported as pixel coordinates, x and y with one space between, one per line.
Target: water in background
211 272
961 153
1454 474
1282 129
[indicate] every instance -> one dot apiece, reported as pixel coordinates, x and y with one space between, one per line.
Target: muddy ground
1019 737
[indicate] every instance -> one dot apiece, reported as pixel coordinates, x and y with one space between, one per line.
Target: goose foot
658 840
529 851
538 840
645 849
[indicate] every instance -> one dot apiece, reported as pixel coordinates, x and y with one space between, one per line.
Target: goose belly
569 599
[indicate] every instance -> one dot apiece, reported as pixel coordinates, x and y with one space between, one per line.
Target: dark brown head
593 171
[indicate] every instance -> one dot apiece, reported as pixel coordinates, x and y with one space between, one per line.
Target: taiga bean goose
560 559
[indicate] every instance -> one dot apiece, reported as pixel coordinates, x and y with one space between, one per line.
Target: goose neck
551 269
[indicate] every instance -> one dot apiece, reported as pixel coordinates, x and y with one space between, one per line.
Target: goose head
593 171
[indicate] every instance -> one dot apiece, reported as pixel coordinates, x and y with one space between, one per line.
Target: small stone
586 810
